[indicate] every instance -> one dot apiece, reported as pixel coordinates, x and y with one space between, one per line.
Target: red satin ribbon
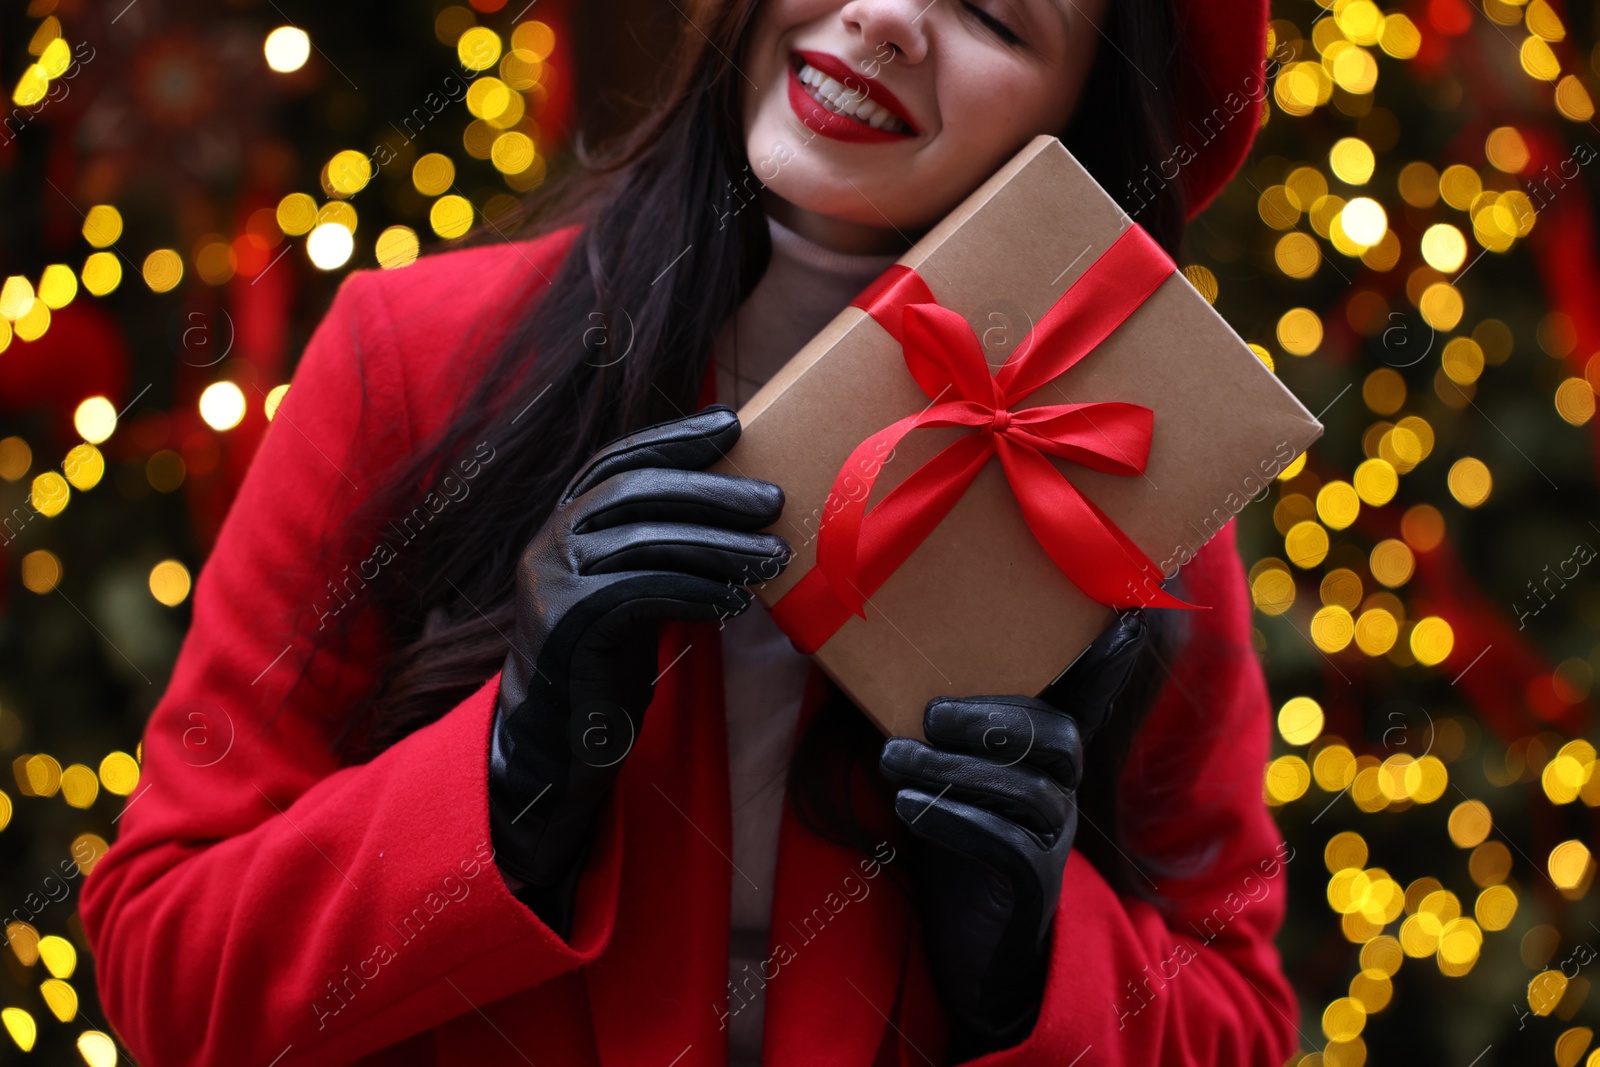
856 551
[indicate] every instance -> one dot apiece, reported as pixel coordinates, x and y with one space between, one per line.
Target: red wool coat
262 905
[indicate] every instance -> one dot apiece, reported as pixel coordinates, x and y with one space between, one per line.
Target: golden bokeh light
102 226
1573 99
1279 208
1462 360
1351 158
34 324
49 494
348 172
1432 641
450 216
169 582
87 849
41 571
1341 586
339 213
330 245
97 1049
1300 720
1444 247
1459 184
296 214
1506 150
478 48
1570 864
1574 1042
1441 306
95 419
222 404
1422 526
79 785
1338 505
1419 184
102 273
119 773
1363 220
20 1025
1376 631
1470 822
1345 850
1538 59
274 397
60 998
287 48
15 458
16 297
489 98
535 38
40 777
57 285
84 466
1273 591
162 270
1286 779
1392 562
1300 331
1383 955
1545 991
433 174
1489 864
1372 990
1496 907
1469 481
1542 21
1332 628
1376 482
1384 391
1334 769
1575 401
512 152
58 956
1306 544
1343 1019
1297 254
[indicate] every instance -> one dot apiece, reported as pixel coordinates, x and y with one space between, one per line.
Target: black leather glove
991 801
642 533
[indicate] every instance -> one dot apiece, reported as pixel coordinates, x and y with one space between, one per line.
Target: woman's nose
898 24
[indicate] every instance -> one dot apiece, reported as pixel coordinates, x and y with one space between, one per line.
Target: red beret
1221 86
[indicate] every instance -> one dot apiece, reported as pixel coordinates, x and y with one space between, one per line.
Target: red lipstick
817 117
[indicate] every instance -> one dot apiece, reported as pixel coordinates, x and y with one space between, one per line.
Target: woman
402 801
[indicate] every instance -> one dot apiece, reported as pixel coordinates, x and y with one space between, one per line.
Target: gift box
1031 420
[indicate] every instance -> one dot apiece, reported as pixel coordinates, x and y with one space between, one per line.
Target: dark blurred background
1411 246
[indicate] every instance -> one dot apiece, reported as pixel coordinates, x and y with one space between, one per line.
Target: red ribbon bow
856 552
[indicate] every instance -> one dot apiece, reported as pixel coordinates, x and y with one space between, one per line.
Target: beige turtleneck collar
804 287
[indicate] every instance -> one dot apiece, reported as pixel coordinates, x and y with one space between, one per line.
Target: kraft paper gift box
1066 423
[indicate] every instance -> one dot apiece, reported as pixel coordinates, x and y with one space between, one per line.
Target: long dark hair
677 185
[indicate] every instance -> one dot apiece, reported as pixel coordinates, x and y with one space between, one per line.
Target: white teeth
848 102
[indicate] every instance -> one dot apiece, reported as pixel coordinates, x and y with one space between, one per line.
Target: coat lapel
656 992
845 979
837 945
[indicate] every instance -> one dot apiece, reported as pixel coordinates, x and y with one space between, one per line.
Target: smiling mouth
846 102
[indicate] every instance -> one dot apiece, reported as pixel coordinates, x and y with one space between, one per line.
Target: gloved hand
991 801
641 533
